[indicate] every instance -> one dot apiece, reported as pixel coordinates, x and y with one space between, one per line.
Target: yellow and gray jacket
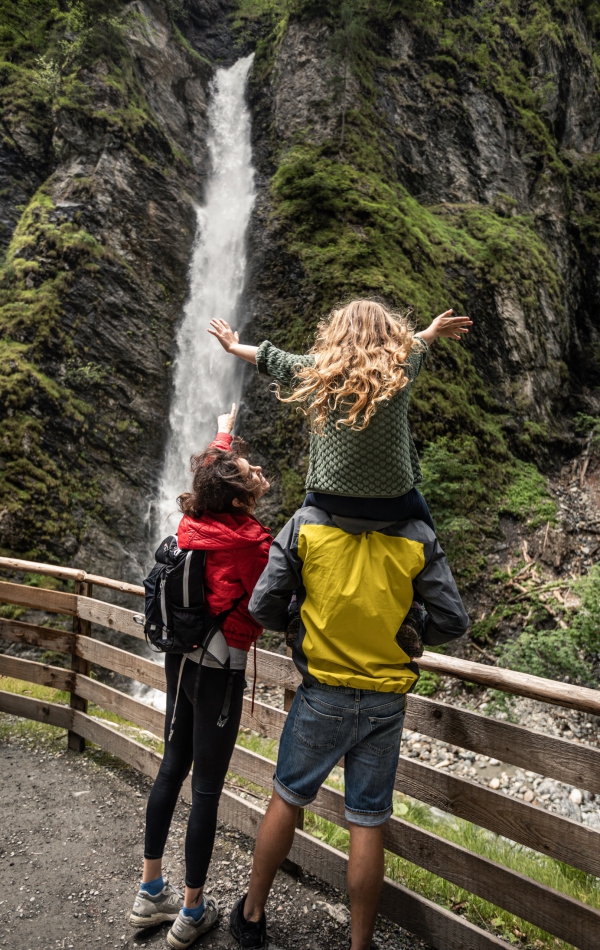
354 581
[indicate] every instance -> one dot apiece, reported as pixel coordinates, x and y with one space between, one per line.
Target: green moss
37 484
527 497
353 228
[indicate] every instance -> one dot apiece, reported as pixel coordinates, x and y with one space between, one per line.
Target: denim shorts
327 723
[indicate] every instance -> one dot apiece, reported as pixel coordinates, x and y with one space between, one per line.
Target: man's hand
226 422
446 325
224 334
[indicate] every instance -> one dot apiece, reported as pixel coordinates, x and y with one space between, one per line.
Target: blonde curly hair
360 355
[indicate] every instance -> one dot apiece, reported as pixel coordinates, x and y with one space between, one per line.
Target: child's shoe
148 911
410 635
186 930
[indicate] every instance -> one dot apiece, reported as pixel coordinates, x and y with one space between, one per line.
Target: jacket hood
217 532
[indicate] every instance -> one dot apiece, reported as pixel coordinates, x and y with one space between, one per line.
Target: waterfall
206 380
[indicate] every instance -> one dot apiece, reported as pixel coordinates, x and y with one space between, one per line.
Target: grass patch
49 695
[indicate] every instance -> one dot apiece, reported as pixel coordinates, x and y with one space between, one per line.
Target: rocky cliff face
94 281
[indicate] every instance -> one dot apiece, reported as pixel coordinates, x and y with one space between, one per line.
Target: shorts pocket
315 729
385 733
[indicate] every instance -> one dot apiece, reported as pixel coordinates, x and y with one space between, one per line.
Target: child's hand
445 325
226 422
224 334
230 341
449 326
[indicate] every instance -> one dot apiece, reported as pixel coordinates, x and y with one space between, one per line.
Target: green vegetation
556 642
45 733
45 253
427 684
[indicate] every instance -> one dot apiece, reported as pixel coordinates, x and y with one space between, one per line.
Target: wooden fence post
288 698
79 665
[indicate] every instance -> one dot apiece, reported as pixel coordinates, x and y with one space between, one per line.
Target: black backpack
176 616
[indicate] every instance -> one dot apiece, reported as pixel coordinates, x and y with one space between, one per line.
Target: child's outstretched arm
230 341
446 325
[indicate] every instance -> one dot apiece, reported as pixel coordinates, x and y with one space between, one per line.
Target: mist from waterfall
206 380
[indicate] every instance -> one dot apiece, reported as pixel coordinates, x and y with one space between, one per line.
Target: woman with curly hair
354 385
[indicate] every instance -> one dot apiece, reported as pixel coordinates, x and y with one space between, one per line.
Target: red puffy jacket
238 550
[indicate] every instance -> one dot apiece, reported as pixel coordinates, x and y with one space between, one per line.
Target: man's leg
275 837
365 877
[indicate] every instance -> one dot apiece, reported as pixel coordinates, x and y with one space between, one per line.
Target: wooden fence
568 919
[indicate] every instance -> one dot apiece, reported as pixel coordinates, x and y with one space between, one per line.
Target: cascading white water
206 379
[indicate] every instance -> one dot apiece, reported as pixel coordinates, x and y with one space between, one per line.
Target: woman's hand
226 422
446 325
230 341
224 334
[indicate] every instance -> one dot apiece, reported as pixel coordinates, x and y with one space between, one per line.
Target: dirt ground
70 859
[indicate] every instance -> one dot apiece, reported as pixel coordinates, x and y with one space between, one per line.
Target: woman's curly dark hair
217 481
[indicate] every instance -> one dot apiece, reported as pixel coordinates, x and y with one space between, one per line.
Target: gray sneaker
149 911
185 929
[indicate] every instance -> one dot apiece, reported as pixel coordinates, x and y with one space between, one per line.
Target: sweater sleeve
279 364
417 357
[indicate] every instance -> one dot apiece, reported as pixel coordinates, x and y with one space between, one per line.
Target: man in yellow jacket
354 580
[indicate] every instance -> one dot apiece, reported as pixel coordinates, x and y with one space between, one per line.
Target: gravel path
70 858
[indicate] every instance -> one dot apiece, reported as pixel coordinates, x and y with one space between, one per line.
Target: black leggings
196 738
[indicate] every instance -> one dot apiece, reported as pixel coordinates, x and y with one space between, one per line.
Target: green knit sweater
380 461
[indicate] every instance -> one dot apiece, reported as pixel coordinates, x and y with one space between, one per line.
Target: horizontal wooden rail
68 574
46 638
40 673
38 598
53 714
567 761
109 615
121 661
519 684
139 713
542 906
